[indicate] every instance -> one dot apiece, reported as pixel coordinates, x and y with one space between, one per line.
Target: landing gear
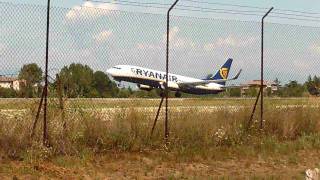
178 94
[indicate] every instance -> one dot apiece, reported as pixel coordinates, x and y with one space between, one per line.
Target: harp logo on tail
224 73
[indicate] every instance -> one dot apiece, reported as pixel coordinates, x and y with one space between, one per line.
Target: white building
257 84
11 82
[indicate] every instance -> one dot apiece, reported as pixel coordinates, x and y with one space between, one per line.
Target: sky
301 5
104 35
297 5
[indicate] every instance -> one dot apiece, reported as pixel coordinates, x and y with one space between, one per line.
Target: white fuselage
156 79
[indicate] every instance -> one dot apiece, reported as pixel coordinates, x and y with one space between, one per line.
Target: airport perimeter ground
109 139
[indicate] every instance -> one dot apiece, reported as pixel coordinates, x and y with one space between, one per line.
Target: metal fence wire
86 41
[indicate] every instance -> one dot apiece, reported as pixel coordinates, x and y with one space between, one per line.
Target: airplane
148 79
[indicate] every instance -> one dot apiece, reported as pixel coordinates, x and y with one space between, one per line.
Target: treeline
81 81
31 75
291 89
75 81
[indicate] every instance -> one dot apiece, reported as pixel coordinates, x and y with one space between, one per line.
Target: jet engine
144 87
173 85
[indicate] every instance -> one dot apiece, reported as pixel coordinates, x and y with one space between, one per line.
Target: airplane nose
110 72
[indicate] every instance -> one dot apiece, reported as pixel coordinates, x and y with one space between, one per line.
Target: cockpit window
116 67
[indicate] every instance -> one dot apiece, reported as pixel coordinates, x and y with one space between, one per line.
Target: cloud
88 10
148 46
230 41
173 34
103 36
301 66
183 43
209 46
315 48
177 41
2 48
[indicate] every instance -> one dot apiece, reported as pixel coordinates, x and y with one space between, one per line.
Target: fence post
167 69
262 67
45 128
38 115
157 116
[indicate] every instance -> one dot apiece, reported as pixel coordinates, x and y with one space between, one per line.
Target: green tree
7 93
278 84
77 80
313 82
114 90
32 74
252 92
124 93
316 81
313 85
235 92
103 86
101 83
293 89
269 91
310 83
146 94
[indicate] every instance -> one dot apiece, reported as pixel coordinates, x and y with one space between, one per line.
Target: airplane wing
203 82
232 87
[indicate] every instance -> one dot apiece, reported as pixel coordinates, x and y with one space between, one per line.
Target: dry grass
196 135
193 133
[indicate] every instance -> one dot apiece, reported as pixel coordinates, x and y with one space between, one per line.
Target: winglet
237 76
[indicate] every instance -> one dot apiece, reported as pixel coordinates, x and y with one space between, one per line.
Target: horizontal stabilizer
225 80
203 82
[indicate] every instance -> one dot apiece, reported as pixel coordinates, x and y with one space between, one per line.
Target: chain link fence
86 41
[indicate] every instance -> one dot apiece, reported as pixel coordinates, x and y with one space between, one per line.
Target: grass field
117 102
110 138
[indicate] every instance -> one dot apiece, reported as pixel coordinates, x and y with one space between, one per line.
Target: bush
7 93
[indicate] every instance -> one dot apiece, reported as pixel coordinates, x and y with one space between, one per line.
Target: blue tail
223 72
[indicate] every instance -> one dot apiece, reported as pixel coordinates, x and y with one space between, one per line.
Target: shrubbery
80 81
7 93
